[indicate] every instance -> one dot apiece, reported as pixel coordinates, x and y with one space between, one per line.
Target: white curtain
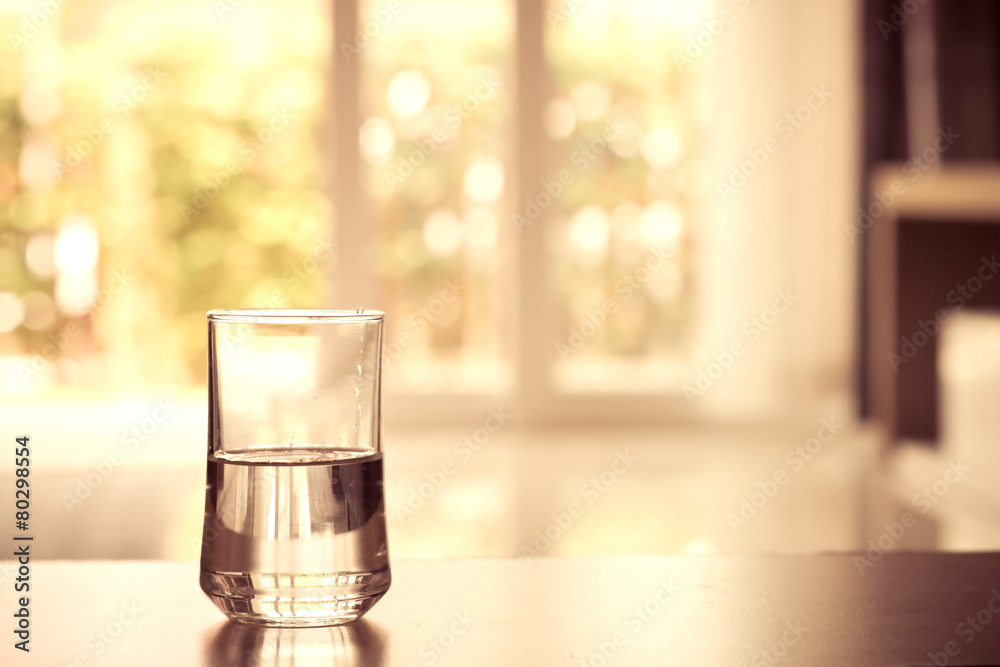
782 230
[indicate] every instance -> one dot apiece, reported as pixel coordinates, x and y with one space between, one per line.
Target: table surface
596 611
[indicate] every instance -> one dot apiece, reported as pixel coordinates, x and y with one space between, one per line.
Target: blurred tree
188 139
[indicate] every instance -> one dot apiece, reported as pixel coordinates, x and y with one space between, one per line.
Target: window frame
531 329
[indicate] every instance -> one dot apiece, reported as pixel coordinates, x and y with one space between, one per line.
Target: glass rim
293 315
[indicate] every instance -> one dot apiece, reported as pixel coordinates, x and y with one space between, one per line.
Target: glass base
295 600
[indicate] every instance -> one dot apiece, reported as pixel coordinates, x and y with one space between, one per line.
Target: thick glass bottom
295 599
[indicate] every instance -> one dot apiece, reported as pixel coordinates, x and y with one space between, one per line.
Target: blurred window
435 130
158 159
626 126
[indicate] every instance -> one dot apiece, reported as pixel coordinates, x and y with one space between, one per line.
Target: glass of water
294 530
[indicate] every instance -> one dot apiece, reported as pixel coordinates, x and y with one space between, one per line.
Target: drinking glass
294 531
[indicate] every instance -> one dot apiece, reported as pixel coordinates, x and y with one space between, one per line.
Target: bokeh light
660 147
76 247
589 230
40 254
484 180
442 233
37 165
662 224
11 312
408 93
591 100
377 140
39 311
75 293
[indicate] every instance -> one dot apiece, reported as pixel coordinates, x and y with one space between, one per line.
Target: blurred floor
532 494
516 493
621 492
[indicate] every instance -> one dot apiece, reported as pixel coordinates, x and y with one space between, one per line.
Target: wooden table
644 610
